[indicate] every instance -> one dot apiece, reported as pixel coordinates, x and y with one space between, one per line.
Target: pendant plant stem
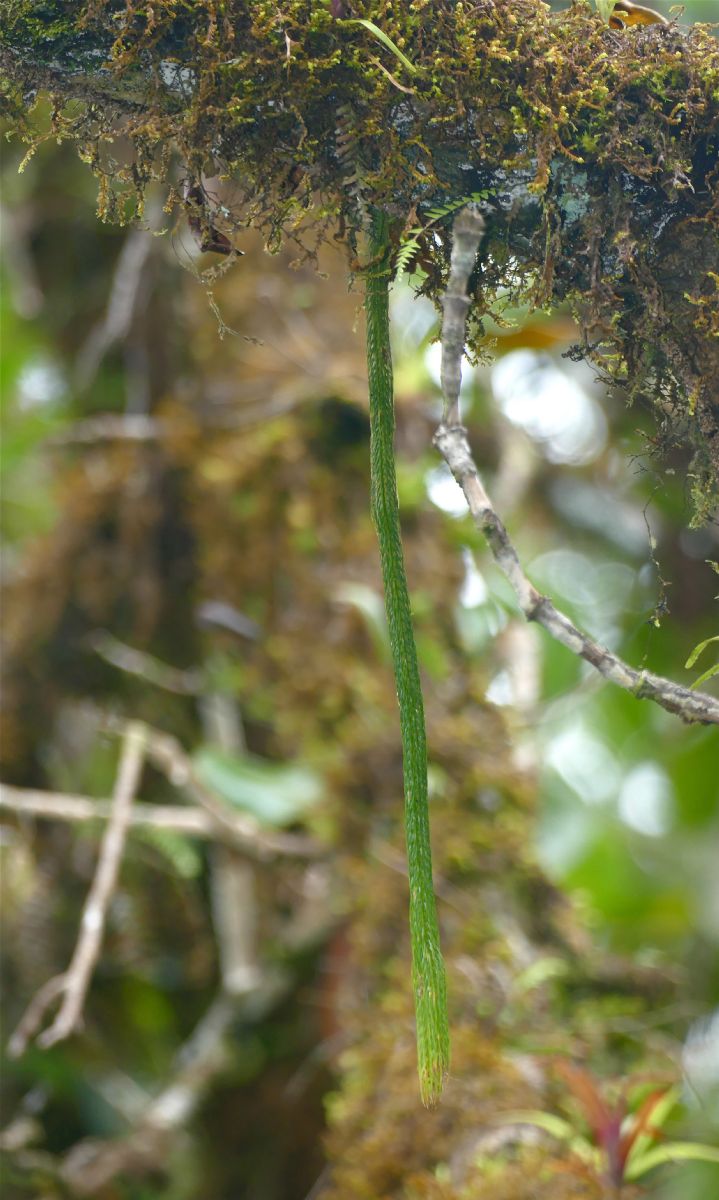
428 979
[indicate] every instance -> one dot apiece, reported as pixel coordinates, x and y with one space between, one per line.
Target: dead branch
92 1164
73 985
126 297
452 442
192 821
139 427
467 233
121 427
167 754
146 666
233 880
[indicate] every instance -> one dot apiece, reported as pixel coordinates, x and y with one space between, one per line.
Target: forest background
187 544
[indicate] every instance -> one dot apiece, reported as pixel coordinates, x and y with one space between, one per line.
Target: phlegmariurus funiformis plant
428 977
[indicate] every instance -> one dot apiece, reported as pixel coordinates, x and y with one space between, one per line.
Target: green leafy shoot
604 8
712 671
670 1152
410 244
617 1144
558 1128
382 37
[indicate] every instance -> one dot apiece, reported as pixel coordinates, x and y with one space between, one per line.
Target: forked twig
452 442
74 983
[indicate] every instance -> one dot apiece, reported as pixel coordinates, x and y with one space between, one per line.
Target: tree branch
467 233
193 821
73 985
146 666
91 1164
452 442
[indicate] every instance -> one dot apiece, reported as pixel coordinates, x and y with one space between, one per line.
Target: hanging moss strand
428 978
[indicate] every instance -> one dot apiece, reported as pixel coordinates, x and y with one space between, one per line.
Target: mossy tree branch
600 148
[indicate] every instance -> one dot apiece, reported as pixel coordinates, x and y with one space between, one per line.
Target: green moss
600 148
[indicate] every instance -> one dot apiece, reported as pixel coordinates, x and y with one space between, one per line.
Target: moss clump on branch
600 150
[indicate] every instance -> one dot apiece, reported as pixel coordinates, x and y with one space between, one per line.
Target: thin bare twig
452 442
395 82
126 298
190 820
73 985
146 666
233 880
121 427
31 1019
168 756
91 1164
138 427
467 233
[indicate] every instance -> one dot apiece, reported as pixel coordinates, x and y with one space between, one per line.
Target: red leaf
580 1083
640 1125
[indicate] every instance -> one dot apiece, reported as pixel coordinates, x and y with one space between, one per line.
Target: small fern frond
410 244
405 254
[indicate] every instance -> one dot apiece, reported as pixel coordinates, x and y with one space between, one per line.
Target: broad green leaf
275 793
671 1152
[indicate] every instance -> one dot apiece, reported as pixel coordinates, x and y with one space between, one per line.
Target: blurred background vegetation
186 540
